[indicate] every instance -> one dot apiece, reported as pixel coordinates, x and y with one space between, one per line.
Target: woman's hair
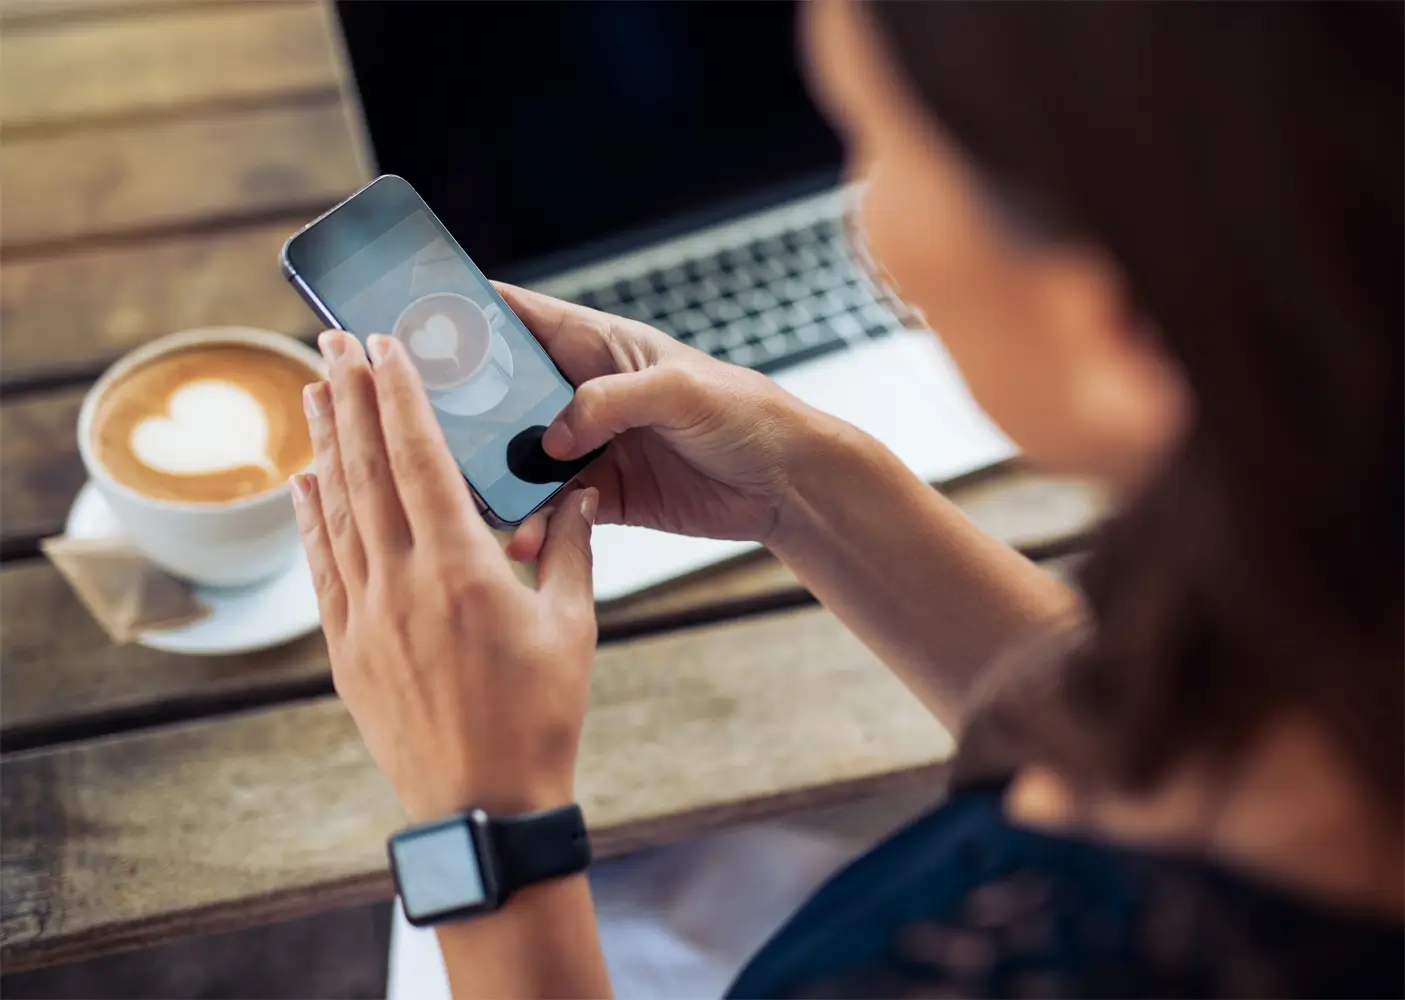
1243 165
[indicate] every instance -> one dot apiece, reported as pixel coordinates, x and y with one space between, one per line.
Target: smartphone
381 262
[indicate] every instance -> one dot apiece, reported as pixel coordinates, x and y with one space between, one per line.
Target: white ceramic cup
229 544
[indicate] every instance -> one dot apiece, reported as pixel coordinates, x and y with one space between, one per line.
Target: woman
1164 244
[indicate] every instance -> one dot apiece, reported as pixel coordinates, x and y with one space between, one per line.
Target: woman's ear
1126 399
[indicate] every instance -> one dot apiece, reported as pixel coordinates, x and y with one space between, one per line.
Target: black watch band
468 864
535 847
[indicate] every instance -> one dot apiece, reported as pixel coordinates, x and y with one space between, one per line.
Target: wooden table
155 153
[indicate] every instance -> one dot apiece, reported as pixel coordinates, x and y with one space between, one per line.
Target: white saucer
242 620
485 390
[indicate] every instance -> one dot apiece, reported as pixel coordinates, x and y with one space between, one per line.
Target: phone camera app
485 375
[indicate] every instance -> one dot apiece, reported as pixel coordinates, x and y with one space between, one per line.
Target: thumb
564 567
612 404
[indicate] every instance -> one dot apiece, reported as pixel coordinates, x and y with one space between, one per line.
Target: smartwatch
470 863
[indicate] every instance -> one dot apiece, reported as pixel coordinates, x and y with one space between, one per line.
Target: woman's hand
699 447
468 687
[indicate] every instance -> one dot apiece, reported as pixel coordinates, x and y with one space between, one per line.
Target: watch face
440 872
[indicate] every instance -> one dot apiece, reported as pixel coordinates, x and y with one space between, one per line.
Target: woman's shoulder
963 903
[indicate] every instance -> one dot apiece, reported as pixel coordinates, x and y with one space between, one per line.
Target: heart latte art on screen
448 337
437 339
206 424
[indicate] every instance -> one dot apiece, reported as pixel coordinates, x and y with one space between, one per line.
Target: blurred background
155 153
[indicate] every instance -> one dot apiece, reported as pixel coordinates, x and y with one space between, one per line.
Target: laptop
660 161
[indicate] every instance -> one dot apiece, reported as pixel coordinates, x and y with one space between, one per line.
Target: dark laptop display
546 133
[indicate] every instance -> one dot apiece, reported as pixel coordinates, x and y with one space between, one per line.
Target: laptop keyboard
767 304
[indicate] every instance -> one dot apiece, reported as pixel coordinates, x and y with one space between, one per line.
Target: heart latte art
206 424
210 426
437 339
448 337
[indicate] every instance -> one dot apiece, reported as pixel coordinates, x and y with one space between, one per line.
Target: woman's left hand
468 686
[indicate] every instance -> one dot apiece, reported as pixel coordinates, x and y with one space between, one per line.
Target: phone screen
392 268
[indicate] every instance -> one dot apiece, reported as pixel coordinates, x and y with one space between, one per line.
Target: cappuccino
207 423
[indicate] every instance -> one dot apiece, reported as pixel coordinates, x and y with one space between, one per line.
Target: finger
331 594
526 542
564 570
435 498
604 475
577 338
331 486
380 519
668 397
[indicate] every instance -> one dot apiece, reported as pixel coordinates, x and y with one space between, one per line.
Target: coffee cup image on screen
485 375
449 338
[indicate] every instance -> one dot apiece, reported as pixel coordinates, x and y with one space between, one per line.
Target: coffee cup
191 440
448 337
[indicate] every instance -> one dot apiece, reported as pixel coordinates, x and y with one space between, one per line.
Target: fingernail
378 347
301 487
590 501
314 400
558 439
332 345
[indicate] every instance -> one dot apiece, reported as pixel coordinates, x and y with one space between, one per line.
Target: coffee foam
208 423
209 426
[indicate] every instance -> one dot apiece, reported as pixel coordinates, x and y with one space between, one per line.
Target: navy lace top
961 903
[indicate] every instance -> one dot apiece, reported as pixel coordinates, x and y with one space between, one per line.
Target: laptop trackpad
905 391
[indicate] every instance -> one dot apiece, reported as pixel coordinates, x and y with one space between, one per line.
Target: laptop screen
548 134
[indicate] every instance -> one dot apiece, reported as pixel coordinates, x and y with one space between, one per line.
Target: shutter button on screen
530 463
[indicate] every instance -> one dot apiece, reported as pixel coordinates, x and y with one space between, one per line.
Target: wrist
498 799
823 471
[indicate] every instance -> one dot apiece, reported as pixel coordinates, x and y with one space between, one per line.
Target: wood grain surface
63 679
58 73
1041 515
71 315
185 172
28 11
207 826
41 473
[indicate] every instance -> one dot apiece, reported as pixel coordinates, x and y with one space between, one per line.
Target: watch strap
535 847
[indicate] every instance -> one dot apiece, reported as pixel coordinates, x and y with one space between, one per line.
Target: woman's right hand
698 447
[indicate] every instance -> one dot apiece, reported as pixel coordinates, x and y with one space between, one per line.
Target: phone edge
323 312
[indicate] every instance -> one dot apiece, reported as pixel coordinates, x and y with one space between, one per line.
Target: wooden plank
129 841
17 11
84 69
62 677
181 173
41 473
73 314
1029 511
341 953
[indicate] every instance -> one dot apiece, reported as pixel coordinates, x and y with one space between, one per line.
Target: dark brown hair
1243 164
